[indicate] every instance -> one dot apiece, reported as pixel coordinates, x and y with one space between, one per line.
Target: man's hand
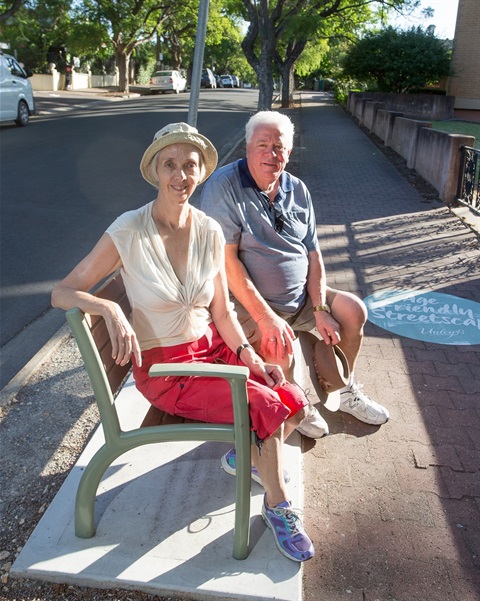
277 337
328 327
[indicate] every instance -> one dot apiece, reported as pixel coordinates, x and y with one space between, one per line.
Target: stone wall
434 107
435 155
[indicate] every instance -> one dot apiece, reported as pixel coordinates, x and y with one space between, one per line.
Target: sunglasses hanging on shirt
273 207
278 217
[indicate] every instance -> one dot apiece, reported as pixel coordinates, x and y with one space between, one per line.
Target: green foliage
398 61
101 31
342 87
36 28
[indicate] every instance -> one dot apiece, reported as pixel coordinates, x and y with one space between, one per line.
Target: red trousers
209 399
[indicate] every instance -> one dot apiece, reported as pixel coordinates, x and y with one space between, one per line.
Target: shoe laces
358 395
292 519
307 392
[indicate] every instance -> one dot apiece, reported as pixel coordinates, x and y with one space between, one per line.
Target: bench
107 378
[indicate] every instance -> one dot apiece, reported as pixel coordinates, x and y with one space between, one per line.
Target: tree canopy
279 31
267 38
398 61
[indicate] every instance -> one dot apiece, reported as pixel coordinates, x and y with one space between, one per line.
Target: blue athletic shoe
229 464
290 537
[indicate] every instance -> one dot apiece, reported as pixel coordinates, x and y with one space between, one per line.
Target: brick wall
464 83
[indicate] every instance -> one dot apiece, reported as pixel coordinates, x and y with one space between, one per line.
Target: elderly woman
171 257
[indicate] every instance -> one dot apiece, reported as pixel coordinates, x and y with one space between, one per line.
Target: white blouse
166 312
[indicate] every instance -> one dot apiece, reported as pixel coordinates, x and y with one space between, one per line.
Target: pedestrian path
394 511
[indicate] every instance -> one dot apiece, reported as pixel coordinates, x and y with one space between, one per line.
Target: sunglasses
278 217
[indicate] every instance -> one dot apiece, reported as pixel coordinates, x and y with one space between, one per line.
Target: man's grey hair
282 122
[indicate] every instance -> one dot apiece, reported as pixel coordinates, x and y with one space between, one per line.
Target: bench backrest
113 290
95 347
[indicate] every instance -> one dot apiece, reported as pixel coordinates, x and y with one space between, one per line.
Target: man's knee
349 310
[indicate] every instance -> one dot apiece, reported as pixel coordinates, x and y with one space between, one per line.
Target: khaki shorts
301 321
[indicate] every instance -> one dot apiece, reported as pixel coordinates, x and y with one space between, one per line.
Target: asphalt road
65 177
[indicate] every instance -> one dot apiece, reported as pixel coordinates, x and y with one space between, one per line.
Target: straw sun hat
179 133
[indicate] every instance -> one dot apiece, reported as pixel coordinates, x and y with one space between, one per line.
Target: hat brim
327 366
208 150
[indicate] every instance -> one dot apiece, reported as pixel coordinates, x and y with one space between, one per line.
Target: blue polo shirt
277 261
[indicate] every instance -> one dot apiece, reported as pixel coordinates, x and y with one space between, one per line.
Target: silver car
165 81
227 81
16 96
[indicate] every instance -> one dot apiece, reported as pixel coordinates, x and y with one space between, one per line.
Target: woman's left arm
230 330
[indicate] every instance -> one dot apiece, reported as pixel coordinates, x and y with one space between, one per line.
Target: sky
444 18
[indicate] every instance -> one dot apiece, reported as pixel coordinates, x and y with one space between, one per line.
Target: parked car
164 81
16 96
236 81
227 81
218 79
208 79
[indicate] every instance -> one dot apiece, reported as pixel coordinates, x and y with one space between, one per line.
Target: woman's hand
123 338
272 374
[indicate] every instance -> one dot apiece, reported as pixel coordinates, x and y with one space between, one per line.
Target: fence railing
468 191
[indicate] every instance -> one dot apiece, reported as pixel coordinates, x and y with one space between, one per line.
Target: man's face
267 155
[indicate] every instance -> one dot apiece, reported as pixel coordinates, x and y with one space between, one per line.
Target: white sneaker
313 426
357 403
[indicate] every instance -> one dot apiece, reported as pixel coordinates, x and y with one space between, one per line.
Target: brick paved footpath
394 510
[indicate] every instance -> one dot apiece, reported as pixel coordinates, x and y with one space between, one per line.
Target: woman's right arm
73 291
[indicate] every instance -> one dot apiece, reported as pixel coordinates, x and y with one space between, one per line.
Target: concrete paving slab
156 535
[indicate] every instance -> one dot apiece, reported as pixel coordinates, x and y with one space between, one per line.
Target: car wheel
23 115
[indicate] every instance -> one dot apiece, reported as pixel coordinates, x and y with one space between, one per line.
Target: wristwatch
322 308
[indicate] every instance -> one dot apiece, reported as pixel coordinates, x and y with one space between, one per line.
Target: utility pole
198 62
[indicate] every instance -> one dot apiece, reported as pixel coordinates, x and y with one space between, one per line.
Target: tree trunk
265 85
260 27
287 69
287 86
123 61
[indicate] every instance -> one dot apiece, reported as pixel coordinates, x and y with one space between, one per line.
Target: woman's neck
171 218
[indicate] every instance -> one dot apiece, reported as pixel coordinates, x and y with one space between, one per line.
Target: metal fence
468 191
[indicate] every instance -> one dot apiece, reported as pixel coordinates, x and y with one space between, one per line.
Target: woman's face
179 169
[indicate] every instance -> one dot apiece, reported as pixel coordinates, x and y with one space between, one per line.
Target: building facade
464 82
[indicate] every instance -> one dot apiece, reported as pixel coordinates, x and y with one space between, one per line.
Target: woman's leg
293 422
269 462
277 511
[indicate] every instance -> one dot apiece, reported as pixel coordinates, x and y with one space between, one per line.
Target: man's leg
313 426
351 314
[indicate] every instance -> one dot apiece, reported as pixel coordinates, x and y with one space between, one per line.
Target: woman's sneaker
287 527
229 464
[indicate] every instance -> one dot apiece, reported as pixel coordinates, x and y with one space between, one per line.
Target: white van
16 96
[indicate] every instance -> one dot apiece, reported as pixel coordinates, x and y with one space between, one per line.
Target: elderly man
274 265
